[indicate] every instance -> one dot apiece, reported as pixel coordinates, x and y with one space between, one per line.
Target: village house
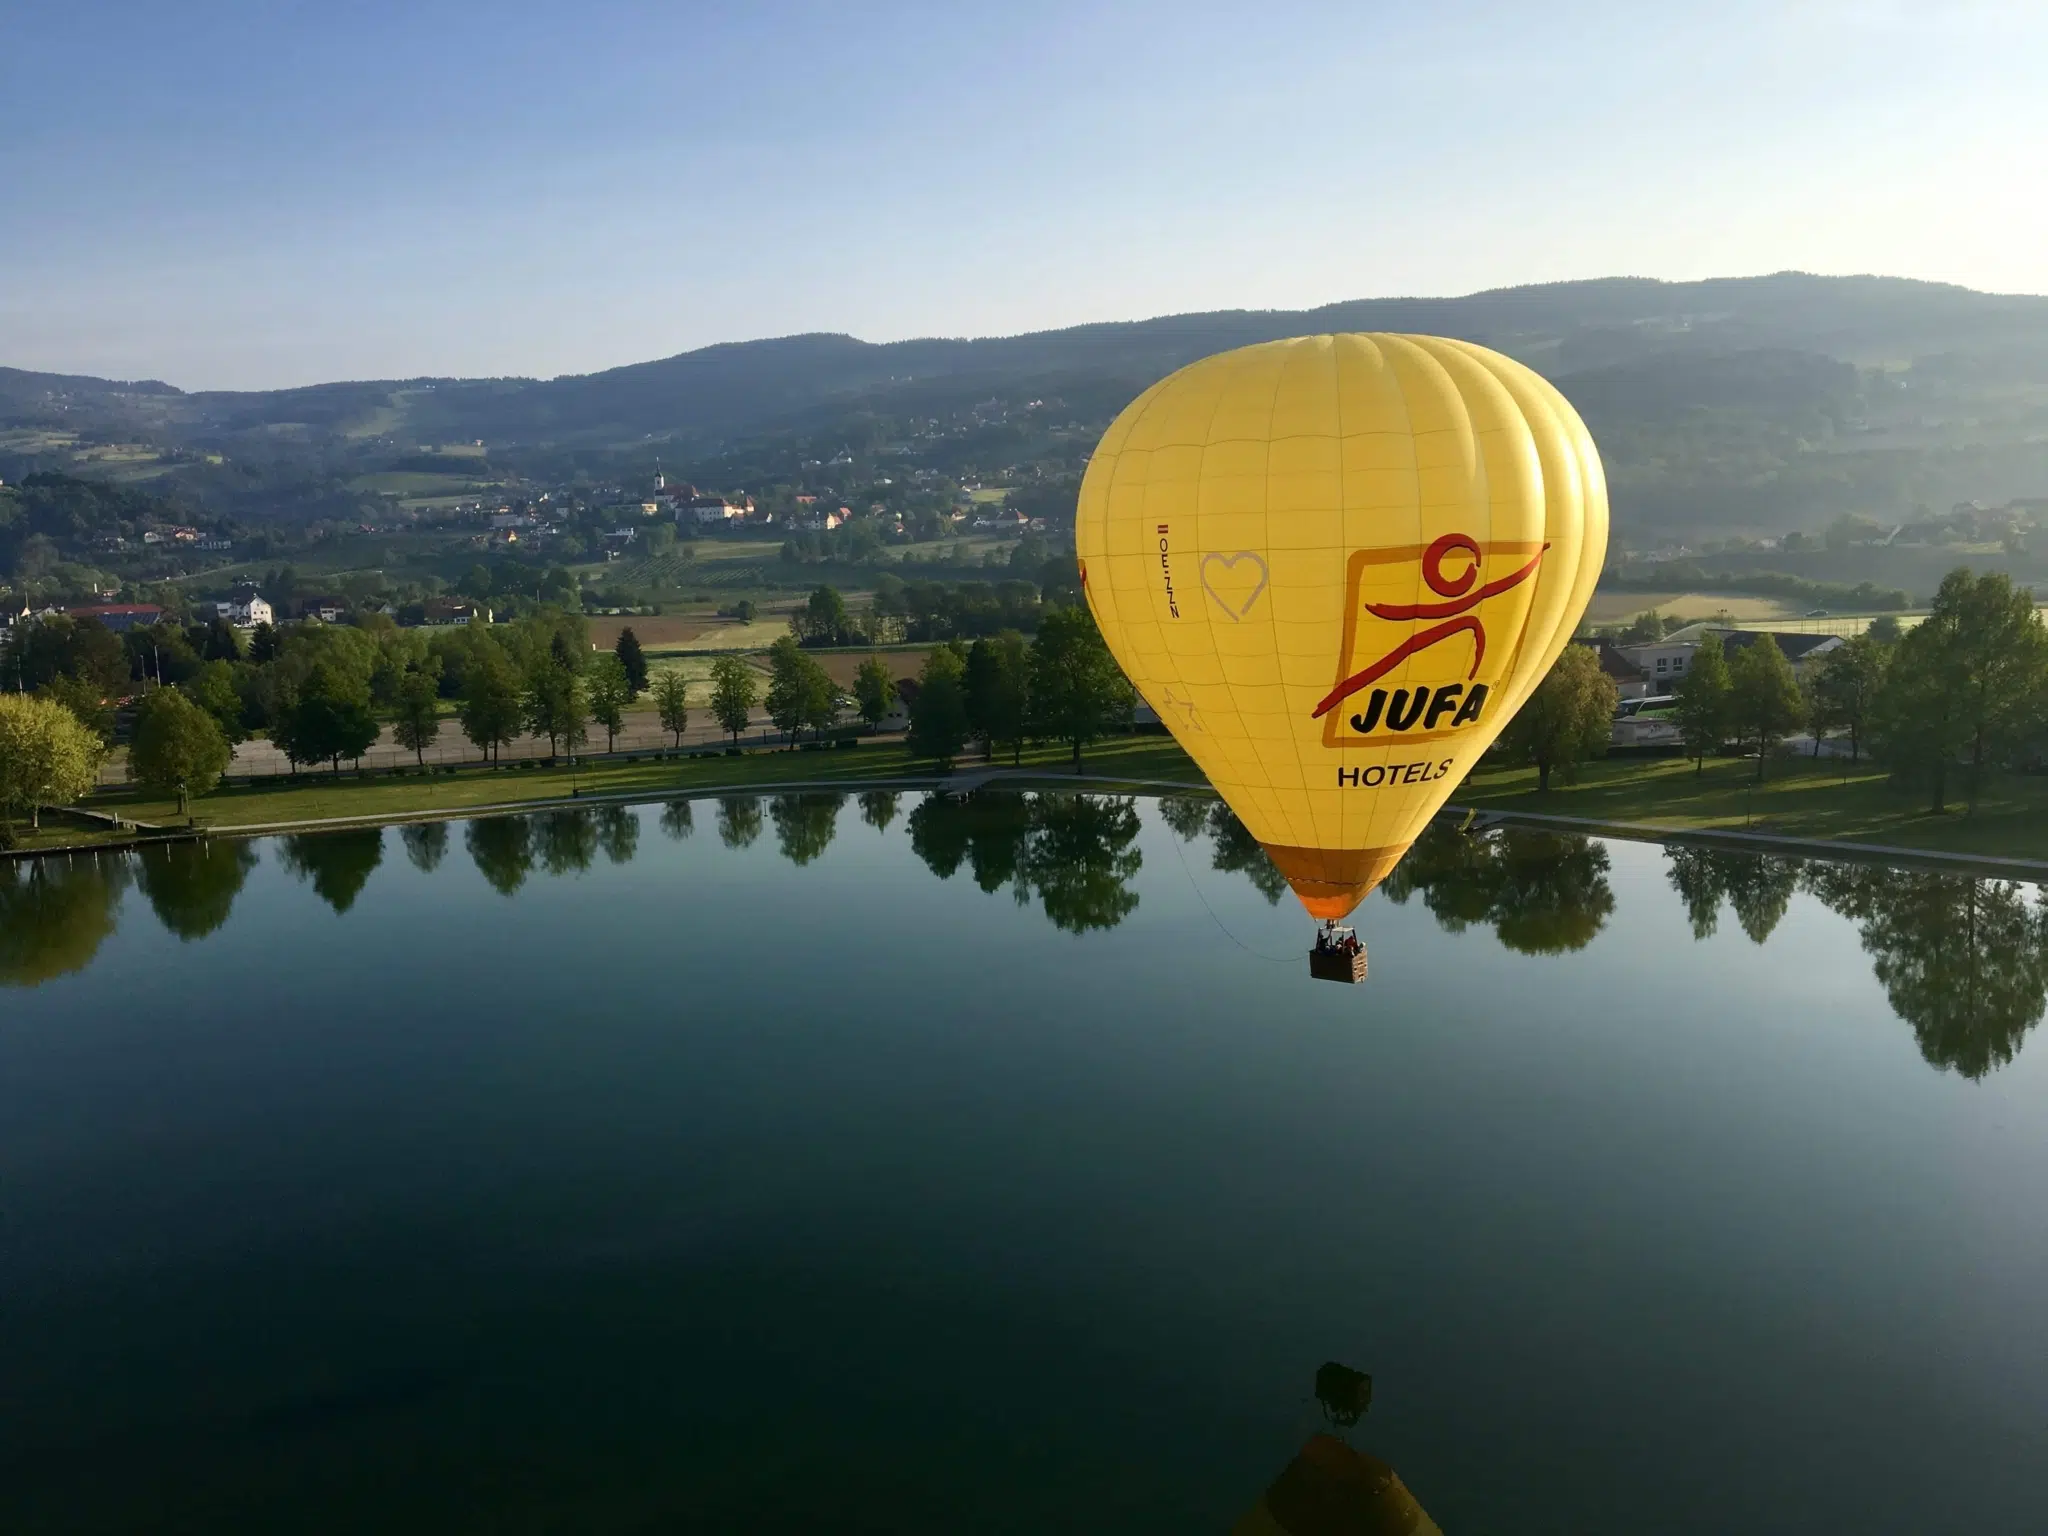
246 608
1629 680
446 612
1665 662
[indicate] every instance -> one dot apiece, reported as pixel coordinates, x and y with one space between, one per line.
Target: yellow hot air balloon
1336 566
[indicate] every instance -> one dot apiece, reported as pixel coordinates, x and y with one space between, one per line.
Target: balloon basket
1337 956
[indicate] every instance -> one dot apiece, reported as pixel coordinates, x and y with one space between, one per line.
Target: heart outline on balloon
1229 562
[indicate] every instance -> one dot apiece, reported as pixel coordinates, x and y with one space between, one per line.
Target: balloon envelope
1336 566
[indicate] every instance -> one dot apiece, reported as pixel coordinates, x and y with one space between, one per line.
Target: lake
890 1163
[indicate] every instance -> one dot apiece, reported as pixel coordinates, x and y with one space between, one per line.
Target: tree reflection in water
1071 851
1233 849
192 886
55 912
502 849
1758 886
338 863
426 844
878 808
1543 893
805 824
568 841
618 833
739 820
986 831
1964 961
1188 818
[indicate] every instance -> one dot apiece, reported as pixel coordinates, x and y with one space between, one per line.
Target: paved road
643 733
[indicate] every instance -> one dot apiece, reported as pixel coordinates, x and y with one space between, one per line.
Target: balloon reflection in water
1331 1488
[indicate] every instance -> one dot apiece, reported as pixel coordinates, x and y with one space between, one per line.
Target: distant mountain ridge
1560 328
1753 405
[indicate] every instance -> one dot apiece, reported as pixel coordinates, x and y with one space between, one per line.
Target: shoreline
1478 815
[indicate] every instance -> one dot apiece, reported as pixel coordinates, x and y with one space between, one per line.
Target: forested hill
1562 329
1755 403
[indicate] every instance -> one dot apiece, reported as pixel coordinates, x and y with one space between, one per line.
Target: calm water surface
871 1163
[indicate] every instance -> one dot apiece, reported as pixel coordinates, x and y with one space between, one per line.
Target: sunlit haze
239 195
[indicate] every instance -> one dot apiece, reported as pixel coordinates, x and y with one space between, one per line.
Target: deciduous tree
1967 680
554 705
328 720
1703 702
177 748
874 690
213 689
1764 701
47 757
490 712
799 690
85 701
416 716
1568 719
1077 693
938 715
672 703
998 684
734 693
611 690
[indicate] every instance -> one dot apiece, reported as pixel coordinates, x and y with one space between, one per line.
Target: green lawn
406 482
1798 798
319 796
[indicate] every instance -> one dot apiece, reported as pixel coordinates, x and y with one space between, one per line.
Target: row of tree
1966 688
1001 692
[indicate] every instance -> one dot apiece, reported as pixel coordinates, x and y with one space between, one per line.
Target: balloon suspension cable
1257 954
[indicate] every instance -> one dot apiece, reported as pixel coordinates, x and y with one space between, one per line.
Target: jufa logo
1456 630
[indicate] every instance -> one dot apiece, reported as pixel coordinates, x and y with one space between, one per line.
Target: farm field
1618 607
693 631
405 482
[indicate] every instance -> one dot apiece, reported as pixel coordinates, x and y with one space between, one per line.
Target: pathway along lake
891 1163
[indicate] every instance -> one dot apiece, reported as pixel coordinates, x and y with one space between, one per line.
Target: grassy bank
322 796
1798 798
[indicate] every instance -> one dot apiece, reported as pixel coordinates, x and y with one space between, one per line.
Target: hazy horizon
254 199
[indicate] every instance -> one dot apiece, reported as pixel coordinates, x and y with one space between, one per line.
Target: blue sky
232 196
